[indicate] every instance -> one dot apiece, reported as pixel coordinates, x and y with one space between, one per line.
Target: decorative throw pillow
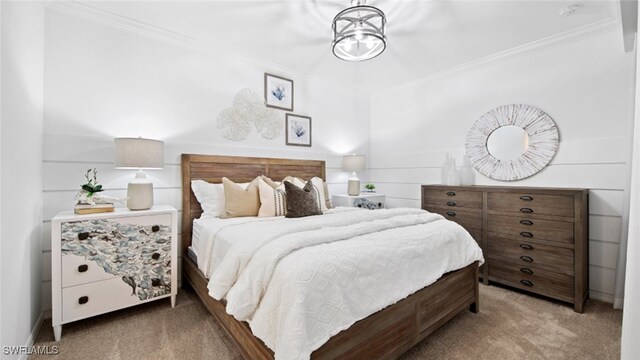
240 202
319 187
327 198
211 197
301 202
272 198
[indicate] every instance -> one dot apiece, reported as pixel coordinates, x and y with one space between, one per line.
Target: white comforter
300 281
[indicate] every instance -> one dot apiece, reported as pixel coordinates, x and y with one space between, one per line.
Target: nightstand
364 200
109 261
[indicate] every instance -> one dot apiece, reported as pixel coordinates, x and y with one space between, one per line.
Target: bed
384 334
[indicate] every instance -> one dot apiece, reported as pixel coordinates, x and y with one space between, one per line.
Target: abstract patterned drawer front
78 270
136 250
95 298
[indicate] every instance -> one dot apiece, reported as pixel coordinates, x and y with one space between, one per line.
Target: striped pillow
272 198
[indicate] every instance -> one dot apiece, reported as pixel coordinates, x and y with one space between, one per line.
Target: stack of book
82 209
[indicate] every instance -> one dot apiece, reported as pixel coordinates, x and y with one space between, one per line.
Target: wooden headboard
213 168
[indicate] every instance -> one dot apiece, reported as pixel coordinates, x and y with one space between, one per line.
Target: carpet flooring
510 325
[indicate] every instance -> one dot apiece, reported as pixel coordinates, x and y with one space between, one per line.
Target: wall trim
34 334
564 38
124 23
596 295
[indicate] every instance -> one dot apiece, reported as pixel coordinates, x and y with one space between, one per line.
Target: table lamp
139 153
353 163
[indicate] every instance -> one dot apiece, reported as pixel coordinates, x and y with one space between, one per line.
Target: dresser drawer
529 203
78 270
540 281
524 228
452 198
95 298
527 253
470 220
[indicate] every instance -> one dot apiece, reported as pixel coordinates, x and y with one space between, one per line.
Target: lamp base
140 193
353 189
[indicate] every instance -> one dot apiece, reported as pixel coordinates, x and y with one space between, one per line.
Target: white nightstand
364 200
109 261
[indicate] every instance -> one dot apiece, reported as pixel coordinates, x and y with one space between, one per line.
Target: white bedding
297 282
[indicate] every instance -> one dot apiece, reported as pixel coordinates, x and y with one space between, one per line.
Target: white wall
631 316
22 39
110 77
586 86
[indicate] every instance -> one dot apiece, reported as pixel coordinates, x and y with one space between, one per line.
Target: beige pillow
238 201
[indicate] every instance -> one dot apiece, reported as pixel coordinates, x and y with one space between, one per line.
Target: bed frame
385 334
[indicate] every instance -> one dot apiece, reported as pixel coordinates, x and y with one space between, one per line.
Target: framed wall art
298 130
278 92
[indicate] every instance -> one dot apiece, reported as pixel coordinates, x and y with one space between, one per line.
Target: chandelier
359 32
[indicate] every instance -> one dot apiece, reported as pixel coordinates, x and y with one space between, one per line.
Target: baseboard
33 335
596 295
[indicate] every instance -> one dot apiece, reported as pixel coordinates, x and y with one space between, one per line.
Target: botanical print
298 130
278 92
139 254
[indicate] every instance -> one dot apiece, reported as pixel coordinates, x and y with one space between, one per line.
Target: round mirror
508 142
512 142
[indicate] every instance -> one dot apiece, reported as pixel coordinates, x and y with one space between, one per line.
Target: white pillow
211 197
318 184
272 201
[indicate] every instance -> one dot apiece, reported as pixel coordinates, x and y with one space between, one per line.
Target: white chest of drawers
109 261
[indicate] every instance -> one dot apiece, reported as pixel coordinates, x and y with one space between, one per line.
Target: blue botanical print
139 254
279 93
298 129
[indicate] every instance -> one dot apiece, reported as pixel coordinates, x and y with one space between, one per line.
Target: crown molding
89 12
564 38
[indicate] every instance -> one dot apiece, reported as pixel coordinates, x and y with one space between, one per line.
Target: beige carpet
510 325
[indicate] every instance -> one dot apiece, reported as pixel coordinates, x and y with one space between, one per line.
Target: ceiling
424 37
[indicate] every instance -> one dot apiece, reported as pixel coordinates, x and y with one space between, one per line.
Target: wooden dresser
534 239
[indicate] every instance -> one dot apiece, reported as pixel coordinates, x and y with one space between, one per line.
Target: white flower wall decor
249 109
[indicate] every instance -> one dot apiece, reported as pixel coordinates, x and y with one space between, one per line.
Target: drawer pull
83 300
83 236
155 282
451 213
83 268
526 246
451 203
155 256
526 258
526 198
526 271
526 222
526 210
451 193
526 283
155 228
526 234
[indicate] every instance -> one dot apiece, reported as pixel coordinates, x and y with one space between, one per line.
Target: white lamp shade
353 163
138 153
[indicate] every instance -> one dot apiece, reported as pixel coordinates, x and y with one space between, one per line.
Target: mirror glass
508 142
